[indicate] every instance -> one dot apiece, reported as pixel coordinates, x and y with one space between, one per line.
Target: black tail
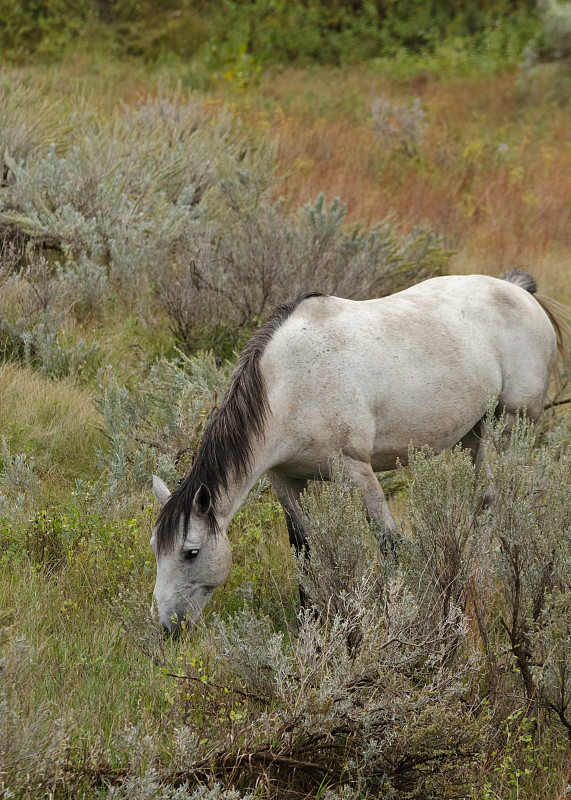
557 313
521 278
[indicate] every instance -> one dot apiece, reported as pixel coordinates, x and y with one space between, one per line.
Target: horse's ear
160 490
202 501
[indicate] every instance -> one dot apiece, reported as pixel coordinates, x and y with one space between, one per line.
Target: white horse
325 376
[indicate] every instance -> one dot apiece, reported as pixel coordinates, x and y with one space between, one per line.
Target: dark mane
226 447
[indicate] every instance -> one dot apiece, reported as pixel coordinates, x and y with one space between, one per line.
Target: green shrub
41 345
508 565
19 484
40 26
163 199
555 42
121 200
546 63
237 38
531 566
340 33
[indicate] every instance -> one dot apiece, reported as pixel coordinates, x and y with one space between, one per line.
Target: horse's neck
233 498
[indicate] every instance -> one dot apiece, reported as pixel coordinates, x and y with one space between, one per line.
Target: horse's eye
190 555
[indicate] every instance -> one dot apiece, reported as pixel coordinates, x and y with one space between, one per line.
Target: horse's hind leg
288 491
376 506
475 442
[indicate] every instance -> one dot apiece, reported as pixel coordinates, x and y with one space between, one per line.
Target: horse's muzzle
172 632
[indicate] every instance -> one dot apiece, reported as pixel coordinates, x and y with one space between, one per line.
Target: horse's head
188 571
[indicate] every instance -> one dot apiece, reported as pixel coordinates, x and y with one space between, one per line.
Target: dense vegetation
146 227
330 32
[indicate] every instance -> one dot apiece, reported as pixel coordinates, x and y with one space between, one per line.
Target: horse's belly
438 416
373 431
393 445
381 412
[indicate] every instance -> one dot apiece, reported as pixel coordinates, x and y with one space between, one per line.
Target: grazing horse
325 376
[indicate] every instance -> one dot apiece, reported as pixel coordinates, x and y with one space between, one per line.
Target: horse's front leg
361 474
289 491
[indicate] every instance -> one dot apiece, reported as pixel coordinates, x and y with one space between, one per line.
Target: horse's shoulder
315 312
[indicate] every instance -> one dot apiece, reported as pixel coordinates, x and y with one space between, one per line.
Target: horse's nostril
172 631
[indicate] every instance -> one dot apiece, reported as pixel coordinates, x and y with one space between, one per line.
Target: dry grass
492 174
55 422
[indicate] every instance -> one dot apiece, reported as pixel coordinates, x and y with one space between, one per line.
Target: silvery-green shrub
165 197
159 423
84 285
42 345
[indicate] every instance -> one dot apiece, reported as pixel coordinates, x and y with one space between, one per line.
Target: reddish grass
493 174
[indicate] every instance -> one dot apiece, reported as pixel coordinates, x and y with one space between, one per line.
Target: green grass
53 422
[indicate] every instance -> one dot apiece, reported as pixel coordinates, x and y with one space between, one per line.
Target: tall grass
55 422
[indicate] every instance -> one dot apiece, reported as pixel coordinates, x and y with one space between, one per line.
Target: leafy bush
507 566
555 42
238 38
40 345
546 62
341 33
444 503
42 26
529 541
19 483
127 198
84 286
153 30
165 199
386 716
